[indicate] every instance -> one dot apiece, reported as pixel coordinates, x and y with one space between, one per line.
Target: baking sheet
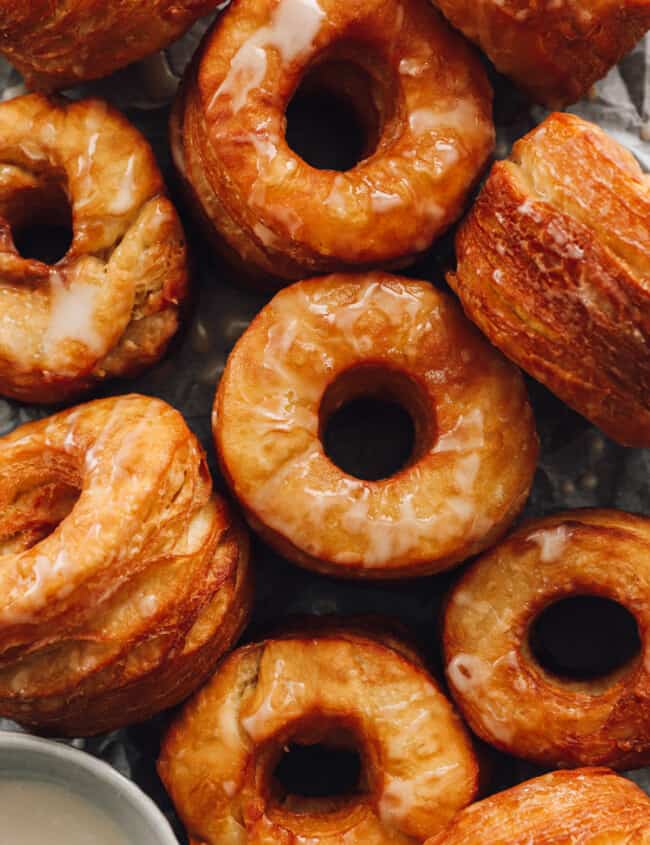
579 466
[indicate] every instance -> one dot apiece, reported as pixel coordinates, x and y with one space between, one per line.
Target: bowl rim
67 756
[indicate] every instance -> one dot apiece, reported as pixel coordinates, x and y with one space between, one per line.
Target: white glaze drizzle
470 675
551 542
283 693
292 30
399 796
73 308
126 194
389 529
463 117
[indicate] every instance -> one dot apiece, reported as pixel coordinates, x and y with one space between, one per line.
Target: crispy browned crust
56 43
124 579
554 51
505 695
428 118
554 267
112 304
587 806
317 345
339 687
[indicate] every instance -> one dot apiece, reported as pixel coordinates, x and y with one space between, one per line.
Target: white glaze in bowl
28 757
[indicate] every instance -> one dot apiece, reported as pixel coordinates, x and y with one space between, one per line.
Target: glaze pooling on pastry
59 43
553 266
111 305
429 134
505 694
589 806
392 336
554 49
419 766
292 30
123 577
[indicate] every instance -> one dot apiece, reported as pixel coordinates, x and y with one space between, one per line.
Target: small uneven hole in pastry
48 244
332 121
34 514
318 770
374 423
42 226
584 638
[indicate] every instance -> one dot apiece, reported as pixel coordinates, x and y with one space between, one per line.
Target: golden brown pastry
554 267
585 807
111 305
320 344
123 578
422 97
58 43
554 49
338 689
505 694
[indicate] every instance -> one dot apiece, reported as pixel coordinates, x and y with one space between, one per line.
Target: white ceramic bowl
45 760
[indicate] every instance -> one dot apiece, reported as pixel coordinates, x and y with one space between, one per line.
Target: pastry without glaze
506 696
340 689
112 304
317 345
123 578
555 50
554 267
427 118
585 807
59 43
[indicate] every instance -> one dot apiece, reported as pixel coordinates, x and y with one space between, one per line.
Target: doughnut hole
341 108
318 769
375 422
40 218
35 508
586 639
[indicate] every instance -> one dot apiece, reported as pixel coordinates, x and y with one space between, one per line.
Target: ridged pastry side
554 49
554 267
59 43
124 578
585 807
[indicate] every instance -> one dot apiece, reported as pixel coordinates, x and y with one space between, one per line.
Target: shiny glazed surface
504 693
123 578
111 305
219 756
322 342
422 97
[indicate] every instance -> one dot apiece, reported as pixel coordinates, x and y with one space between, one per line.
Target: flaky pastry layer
324 342
59 43
339 688
112 304
424 103
507 697
584 807
554 49
554 267
123 577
